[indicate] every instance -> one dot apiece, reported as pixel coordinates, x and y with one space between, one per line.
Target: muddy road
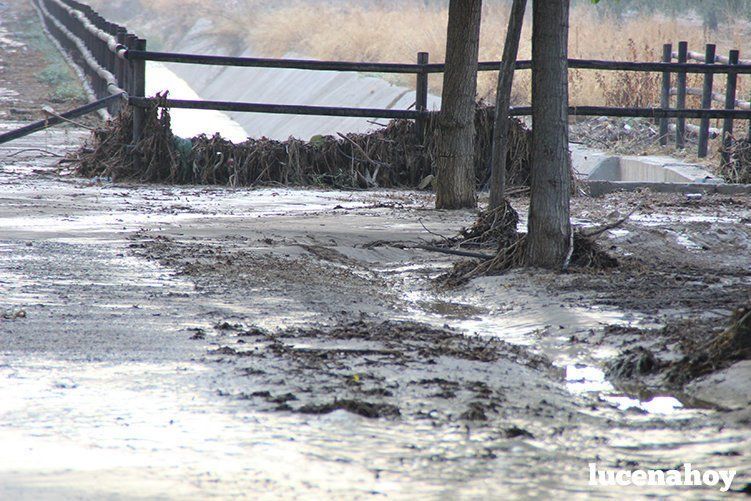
181 342
195 343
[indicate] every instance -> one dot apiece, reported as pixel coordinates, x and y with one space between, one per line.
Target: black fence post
138 89
727 124
706 101
680 101
122 66
131 41
421 95
101 47
667 57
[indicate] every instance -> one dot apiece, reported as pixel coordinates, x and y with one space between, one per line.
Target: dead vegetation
628 89
390 369
388 157
720 351
493 227
584 253
738 169
497 229
704 347
107 151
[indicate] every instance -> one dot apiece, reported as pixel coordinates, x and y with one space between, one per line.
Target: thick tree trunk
455 172
502 103
548 240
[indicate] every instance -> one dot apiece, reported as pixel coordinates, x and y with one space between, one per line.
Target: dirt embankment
32 73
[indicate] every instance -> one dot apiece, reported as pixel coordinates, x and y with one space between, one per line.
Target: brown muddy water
193 342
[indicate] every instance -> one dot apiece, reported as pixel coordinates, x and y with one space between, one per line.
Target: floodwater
104 394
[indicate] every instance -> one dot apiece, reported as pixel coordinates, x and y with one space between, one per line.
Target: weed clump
388 157
738 168
721 351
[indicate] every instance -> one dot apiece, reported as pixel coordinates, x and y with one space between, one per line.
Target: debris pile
738 169
493 228
511 253
731 345
389 157
496 229
620 135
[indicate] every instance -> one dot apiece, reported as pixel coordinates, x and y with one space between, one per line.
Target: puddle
7 94
582 379
452 310
661 219
686 242
618 233
535 327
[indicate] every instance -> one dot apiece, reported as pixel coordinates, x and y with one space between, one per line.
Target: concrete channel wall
605 173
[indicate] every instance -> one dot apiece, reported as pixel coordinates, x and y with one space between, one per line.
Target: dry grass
386 32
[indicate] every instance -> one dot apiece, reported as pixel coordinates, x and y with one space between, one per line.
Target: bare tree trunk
502 103
549 223
455 171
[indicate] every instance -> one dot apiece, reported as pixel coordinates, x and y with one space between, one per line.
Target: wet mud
304 327
293 347
385 369
208 342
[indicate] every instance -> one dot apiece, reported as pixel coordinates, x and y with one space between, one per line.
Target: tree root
586 254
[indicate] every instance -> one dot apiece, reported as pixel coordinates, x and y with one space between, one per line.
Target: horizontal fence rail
415 115
61 118
281 109
411 68
291 64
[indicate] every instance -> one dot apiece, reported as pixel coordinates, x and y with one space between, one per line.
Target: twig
476 255
33 149
610 226
517 191
432 232
377 164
